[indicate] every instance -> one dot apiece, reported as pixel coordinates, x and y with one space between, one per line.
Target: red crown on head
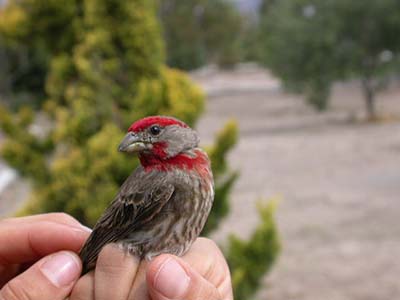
159 120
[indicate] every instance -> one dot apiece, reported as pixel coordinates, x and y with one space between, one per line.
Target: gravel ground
13 190
339 182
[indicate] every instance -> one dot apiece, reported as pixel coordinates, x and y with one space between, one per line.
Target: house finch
163 205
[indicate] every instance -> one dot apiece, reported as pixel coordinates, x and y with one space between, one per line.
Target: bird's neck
194 159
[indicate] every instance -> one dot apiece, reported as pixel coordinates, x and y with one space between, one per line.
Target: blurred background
296 101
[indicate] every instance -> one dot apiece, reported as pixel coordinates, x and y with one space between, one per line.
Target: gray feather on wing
134 206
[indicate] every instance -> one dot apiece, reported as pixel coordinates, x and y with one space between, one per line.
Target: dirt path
339 181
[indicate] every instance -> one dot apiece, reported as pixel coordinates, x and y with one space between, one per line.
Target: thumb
51 278
169 277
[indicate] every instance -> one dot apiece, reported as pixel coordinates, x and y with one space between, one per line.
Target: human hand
202 273
37 259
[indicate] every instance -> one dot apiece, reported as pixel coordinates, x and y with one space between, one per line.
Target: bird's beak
131 143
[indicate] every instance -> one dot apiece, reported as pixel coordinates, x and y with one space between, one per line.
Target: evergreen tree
249 260
28 41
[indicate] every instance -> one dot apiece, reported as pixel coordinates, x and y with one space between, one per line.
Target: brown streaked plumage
163 205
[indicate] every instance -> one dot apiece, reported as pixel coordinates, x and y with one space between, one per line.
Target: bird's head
159 137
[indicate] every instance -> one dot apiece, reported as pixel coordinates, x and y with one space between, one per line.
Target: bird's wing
135 205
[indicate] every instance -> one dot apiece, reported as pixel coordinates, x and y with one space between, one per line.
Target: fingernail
61 268
86 228
171 280
80 228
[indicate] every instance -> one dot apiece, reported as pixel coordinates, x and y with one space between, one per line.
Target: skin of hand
202 273
38 258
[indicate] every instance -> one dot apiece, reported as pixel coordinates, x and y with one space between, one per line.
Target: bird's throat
198 161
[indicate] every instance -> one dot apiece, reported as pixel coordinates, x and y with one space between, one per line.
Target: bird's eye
155 130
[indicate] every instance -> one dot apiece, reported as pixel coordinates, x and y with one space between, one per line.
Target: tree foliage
201 31
224 177
312 43
28 41
248 260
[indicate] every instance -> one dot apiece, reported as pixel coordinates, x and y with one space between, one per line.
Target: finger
51 278
207 259
139 288
169 277
24 242
84 288
8 272
114 274
60 218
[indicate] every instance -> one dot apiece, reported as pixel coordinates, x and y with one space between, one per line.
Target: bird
163 205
